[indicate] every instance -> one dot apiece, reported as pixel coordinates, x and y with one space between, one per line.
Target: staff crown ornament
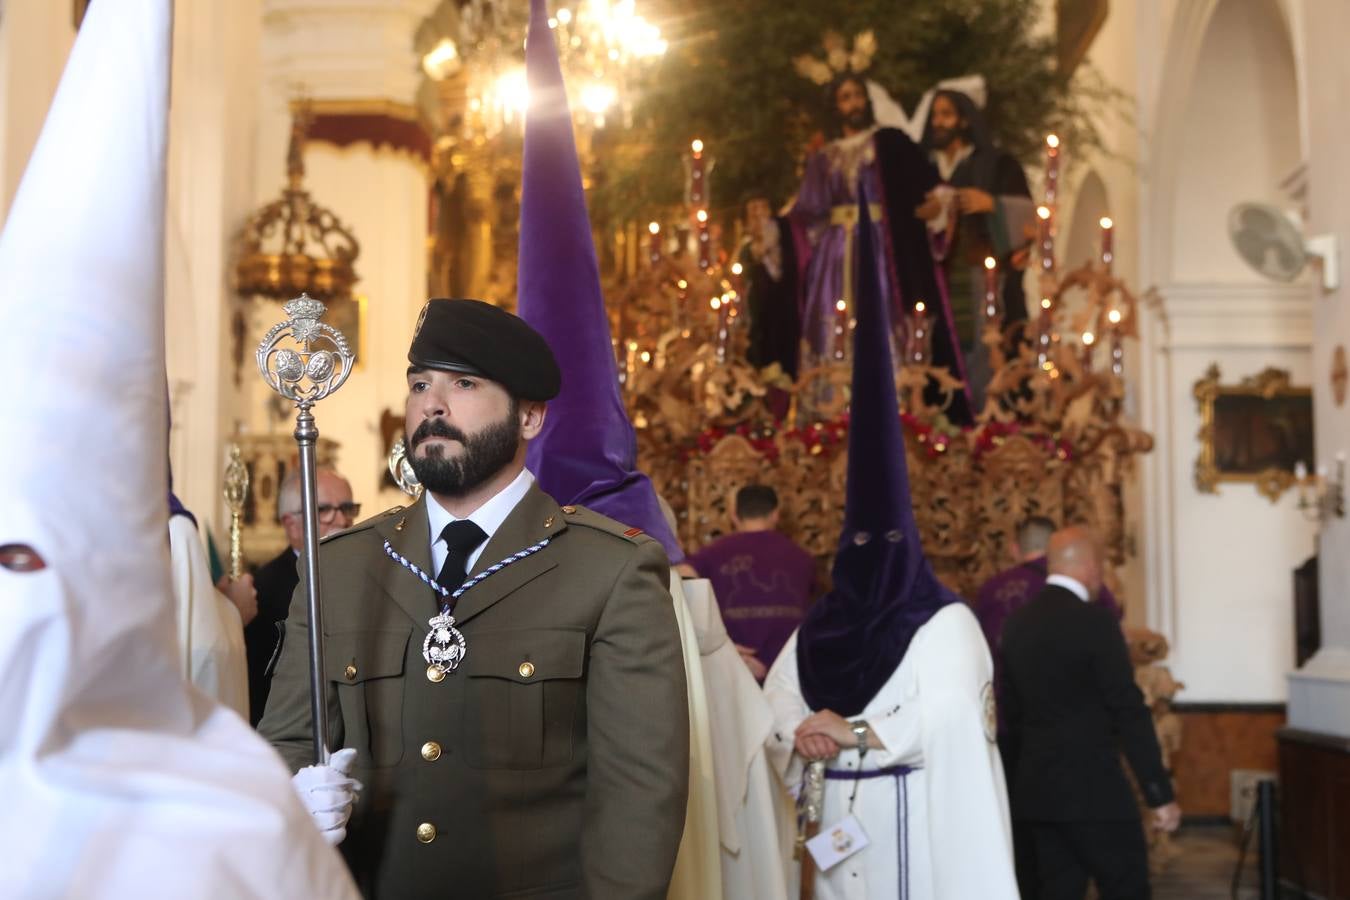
303 359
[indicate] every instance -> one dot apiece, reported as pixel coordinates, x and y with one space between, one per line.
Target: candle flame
1106 222
1045 303
715 303
697 146
632 345
1043 212
841 305
1052 141
701 215
645 356
682 284
918 307
1114 316
990 262
654 227
1088 338
737 268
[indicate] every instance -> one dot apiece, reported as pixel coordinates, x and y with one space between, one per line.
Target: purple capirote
587 451
853 639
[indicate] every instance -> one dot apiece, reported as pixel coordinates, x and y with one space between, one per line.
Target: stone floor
1204 867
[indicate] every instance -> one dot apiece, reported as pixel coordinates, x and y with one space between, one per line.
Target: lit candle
698 194
1046 237
1051 169
1107 254
1117 348
630 364
990 289
919 334
654 243
1088 340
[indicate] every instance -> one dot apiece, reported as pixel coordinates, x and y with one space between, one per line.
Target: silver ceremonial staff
313 363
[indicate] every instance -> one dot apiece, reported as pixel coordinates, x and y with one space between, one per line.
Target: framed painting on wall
1255 432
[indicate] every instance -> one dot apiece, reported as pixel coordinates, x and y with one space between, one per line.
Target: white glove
328 792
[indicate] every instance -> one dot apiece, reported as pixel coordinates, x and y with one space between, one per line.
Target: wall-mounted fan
1271 241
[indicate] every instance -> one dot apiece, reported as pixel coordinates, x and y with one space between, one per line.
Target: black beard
486 452
858 121
943 137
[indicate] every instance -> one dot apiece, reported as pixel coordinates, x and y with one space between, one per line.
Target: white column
356 54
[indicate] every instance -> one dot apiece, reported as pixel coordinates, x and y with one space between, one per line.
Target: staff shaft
306 436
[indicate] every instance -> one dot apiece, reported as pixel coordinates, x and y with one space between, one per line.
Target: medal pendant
444 646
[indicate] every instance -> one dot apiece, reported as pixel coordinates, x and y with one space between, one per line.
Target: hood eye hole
21 558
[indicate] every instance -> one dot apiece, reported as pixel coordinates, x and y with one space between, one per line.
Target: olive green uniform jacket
553 763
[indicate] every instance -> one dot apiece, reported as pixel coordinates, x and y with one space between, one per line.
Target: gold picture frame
1254 432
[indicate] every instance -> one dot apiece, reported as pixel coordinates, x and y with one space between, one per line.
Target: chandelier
472 55
294 246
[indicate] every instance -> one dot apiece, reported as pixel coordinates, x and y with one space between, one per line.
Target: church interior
1177 379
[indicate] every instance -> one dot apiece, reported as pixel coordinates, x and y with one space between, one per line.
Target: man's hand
974 200
816 746
830 724
242 594
1167 818
757 668
328 793
931 207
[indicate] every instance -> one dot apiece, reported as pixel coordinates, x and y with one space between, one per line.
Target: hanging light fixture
294 246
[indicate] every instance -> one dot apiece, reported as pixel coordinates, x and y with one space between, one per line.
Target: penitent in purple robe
1009 591
763 583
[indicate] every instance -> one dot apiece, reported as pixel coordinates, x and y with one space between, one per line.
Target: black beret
477 338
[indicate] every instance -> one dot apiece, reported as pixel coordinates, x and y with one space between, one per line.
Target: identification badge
837 843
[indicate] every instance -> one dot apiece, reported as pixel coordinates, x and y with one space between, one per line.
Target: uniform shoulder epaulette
587 518
363 524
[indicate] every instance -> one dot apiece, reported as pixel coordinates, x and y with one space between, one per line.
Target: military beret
477 338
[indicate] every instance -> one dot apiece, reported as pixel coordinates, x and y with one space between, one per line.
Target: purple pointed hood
853 639
587 453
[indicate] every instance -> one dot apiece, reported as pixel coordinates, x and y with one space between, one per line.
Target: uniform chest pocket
521 695
366 669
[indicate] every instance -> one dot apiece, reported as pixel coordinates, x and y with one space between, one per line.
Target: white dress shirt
1069 584
488 517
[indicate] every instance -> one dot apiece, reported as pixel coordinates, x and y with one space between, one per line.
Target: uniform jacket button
526 669
435 675
426 833
431 751
350 671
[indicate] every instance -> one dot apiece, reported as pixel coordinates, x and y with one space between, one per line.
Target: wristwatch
860 730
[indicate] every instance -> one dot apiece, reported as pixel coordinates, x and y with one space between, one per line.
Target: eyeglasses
328 512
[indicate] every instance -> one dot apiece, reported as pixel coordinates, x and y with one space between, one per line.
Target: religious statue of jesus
895 176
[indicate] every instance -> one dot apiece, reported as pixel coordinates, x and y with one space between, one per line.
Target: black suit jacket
276 582
1072 707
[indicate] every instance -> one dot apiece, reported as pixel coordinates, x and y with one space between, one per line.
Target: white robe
210 632
754 817
935 714
697 874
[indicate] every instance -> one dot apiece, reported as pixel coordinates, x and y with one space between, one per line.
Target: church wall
348 52
1217 107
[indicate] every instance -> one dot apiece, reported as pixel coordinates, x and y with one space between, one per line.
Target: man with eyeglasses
276 581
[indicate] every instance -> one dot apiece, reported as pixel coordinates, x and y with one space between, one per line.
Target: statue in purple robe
894 177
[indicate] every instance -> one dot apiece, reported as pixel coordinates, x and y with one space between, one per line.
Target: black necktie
462 537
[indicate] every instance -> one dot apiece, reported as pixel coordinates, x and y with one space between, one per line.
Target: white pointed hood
118 778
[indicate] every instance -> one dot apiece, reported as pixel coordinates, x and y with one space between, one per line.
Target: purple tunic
763 582
1009 591
826 211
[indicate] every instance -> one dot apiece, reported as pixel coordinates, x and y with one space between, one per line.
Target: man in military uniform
536 745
